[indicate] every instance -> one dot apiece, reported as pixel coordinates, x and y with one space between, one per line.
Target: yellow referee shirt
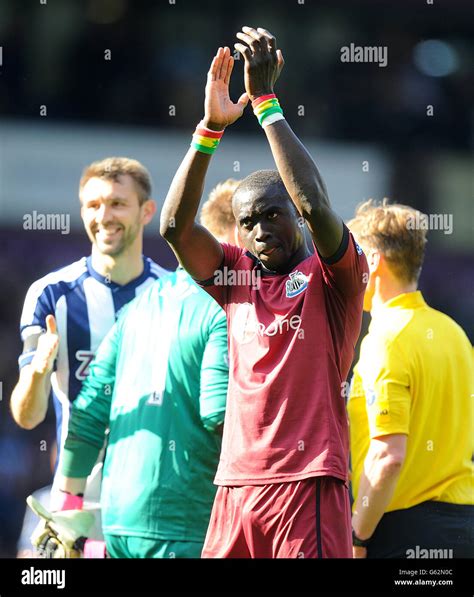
415 376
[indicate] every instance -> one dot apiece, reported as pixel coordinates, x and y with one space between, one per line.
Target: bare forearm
72 485
305 186
29 400
263 64
197 250
377 485
297 169
194 246
182 201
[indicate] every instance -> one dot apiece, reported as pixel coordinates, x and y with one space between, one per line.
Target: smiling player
68 312
282 474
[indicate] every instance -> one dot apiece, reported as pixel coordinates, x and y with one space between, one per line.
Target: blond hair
216 214
113 167
391 229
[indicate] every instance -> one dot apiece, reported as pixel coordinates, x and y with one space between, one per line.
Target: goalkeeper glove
60 534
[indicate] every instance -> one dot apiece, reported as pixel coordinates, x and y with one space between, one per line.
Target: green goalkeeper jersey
159 383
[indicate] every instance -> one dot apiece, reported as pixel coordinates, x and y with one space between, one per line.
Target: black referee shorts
428 530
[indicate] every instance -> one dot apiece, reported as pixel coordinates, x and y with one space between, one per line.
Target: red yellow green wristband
267 109
206 140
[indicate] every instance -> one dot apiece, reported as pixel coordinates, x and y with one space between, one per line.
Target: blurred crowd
58 56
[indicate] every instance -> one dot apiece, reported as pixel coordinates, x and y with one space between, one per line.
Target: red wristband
262 98
208 133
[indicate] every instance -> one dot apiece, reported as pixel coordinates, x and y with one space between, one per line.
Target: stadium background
367 127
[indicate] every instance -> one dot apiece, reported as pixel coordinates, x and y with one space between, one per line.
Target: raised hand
47 348
263 62
219 110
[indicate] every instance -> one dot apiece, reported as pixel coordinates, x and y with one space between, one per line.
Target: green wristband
274 110
203 148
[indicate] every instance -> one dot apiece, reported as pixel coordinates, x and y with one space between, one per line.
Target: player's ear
374 260
148 211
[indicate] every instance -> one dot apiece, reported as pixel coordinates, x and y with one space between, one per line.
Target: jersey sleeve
90 412
214 374
387 390
39 302
347 270
216 286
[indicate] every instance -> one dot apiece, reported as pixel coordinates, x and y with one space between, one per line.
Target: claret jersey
291 344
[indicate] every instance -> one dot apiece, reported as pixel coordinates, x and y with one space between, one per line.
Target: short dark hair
113 167
261 179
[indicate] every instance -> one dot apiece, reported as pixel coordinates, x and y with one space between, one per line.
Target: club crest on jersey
297 284
156 398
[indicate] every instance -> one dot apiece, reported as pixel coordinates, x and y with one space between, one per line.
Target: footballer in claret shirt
293 317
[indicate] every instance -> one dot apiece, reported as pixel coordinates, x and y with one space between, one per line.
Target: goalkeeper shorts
123 546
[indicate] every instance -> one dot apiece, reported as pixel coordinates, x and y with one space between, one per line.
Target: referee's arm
389 423
382 467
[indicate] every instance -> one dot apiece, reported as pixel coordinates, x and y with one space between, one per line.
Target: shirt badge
155 398
297 284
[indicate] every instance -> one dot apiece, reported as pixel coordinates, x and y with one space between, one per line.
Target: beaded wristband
206 140
267 109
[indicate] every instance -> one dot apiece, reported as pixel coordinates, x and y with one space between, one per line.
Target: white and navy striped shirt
85 305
